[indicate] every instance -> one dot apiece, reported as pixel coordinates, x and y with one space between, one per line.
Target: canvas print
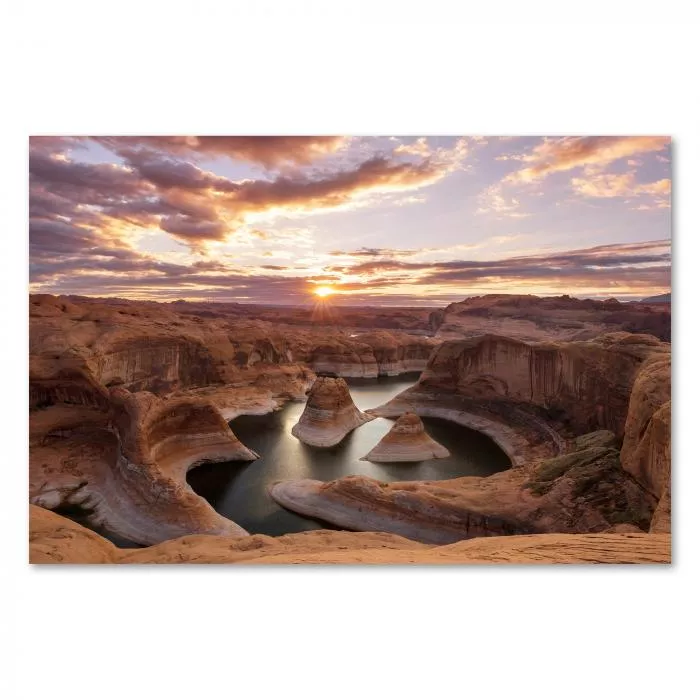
350 349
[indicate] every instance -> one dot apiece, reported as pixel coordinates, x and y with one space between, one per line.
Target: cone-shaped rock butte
239 490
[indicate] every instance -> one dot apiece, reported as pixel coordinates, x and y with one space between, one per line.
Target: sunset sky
377 220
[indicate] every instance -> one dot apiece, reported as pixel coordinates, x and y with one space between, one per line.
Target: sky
368 220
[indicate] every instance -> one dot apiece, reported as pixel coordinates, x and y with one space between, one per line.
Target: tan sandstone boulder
407 441
330 414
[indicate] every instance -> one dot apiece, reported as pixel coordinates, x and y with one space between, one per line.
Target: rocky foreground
57 540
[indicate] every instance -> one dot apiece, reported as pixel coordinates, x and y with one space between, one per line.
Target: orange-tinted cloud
269 151
561 154
608 185
156 189
622 268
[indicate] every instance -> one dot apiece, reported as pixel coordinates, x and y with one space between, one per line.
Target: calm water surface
238 490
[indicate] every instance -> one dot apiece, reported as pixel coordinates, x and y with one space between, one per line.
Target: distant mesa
658 299
329 415
407 441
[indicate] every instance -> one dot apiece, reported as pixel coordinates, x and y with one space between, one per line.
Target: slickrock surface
56 540
125 467
531 318
257 393
407 441
330 414
646 453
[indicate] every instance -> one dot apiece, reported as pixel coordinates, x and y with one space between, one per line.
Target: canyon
585 423
127 397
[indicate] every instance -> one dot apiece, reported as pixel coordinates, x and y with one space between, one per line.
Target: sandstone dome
329 415
407 441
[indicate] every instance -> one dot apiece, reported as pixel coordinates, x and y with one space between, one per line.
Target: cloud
494 200
88 220
610 185
411 252
602 263
269 151
377 252
419 147
378 174
159 190
611 269
554 155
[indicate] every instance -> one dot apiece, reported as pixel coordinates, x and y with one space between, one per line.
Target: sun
323 291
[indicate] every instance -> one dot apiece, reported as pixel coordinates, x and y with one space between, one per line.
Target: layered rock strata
585 490
153 347
124 468
330 414
646 451
56 540
407 441
531 398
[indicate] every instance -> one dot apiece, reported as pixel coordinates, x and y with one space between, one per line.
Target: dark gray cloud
377 252
649 260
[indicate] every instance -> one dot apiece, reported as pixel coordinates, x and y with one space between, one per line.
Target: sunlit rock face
407 441
126 396
329 415
56 540
584 490
373 354
646 451
530 398
125 468
396 353
343 358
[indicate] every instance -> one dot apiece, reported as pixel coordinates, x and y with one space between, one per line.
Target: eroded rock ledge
56 540
330 414
585 490
125 466
531 398
407 441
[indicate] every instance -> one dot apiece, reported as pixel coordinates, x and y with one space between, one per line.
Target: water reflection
239 490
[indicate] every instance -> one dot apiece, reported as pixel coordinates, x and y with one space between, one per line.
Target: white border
320 67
